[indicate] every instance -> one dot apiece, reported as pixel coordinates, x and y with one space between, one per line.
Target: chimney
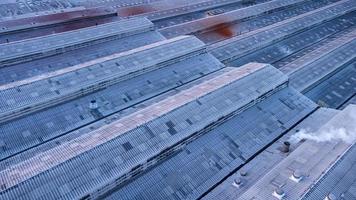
278 193
297 176
285 147
93 105
237 182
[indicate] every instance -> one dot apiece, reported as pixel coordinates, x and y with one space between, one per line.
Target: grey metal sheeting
319 53
202 24
37 67
262 163
316 69
336 90
48 89
209 158
4 22
340 180
136 146
352 100
57 43
282 53
186 9
73 126
314 159
44 125
13 9
112 3
238 46
214 35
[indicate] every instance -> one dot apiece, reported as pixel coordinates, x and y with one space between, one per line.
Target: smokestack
93 105
297 176
285 147
237 183
278 193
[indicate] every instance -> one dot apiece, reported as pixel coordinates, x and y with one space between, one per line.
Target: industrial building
319 168
177 99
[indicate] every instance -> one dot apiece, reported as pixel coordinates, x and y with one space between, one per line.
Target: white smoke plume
330 134
341 127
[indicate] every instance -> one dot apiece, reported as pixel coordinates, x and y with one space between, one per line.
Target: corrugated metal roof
315 69
63 118
209 22
162 136
49 89
235 47
311 158
61 42
260 165
208 158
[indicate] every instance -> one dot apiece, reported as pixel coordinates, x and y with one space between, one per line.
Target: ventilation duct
93 105
297 176
237 182
285 147
278 193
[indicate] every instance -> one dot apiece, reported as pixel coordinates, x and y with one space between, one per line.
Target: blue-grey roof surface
39 47
214 34
49 89
207 159
233 48
106 104
76 158
87 53
339 180
314 159
336 90
228 17
285 51
313 69
62 118
265 161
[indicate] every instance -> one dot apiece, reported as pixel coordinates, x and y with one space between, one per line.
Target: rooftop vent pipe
93 104
297 176
285 147
237 183
278 193
330 196
243 173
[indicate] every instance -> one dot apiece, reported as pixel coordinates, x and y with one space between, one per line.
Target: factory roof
61 42
252 82
229 17
317 157
238 46
50 88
